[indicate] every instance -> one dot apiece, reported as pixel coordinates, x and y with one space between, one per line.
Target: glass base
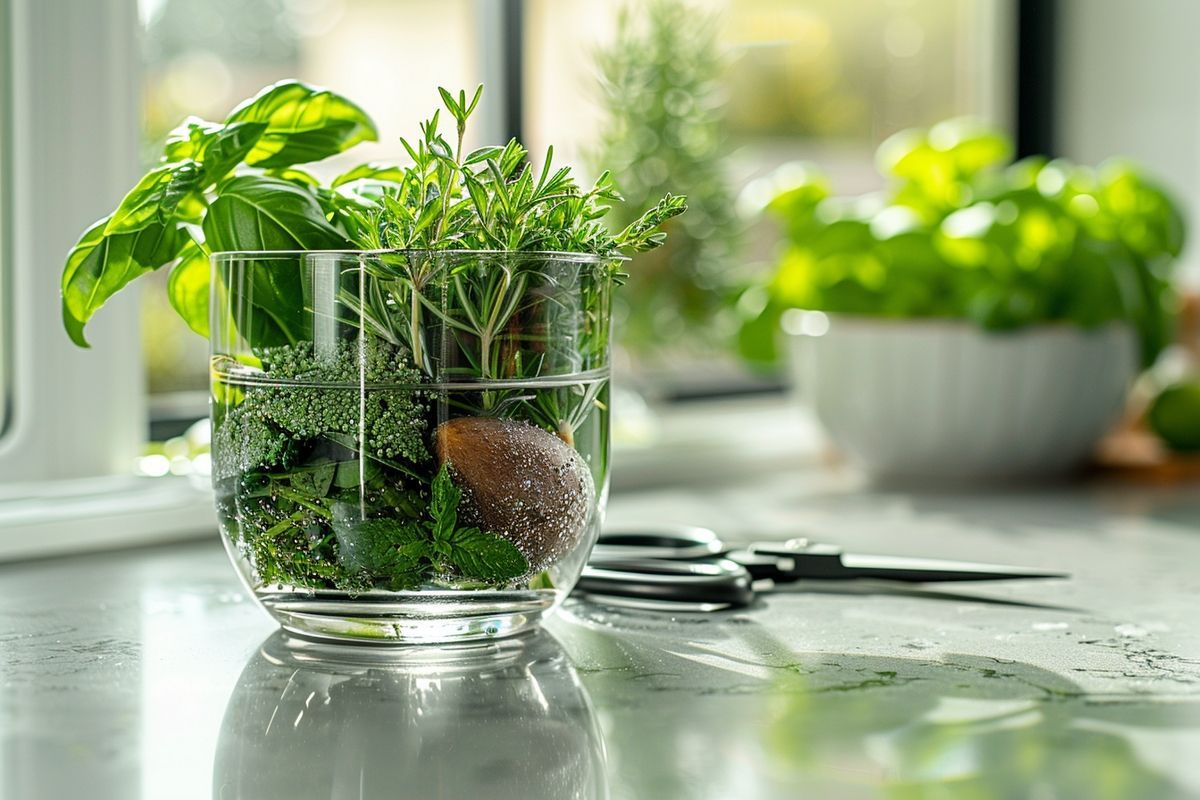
428 617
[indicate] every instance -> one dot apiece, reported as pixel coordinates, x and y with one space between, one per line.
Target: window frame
76 419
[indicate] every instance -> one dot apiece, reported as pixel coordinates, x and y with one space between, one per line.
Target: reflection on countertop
501 720
737 713
148 673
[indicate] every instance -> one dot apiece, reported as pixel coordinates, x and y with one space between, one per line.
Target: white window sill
53 518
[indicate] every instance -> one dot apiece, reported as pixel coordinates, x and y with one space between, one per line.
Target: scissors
664 566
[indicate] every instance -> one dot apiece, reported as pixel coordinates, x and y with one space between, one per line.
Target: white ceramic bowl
944 400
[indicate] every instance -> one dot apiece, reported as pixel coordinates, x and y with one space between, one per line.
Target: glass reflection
502 720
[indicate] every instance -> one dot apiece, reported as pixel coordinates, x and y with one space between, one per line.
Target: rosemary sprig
494 199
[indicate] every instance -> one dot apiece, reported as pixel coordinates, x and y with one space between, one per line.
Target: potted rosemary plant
410 363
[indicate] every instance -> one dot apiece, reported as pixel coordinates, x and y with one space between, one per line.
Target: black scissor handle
716 581
684 542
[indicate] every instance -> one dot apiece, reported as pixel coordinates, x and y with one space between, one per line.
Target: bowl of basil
410 363
977 319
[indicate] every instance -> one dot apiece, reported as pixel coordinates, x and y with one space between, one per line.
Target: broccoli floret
243 441
394 420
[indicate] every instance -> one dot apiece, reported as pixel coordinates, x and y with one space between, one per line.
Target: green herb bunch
493 199
958 234
239 185
323 466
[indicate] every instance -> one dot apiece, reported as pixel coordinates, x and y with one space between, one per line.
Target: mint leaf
380 547
486 556
443 507
475 554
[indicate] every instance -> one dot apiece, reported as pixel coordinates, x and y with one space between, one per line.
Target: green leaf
155 245
219 147
295 175
304 123
351 443
188 287
380 547
228 146
641 235
255 212
100 265
73 326
370 171
486 556
482 154
189 139
443 506
355 473
313 480
155 197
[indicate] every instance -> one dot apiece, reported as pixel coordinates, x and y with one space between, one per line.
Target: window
814 80
202 57
819 79
823 79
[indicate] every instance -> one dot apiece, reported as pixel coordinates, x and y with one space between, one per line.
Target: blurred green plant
1175 416
664 134
959 235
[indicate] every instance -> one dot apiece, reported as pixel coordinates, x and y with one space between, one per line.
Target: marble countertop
148 673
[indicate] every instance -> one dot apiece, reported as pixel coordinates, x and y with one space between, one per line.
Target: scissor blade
928 570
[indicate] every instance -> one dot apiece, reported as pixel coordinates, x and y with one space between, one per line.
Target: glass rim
556 255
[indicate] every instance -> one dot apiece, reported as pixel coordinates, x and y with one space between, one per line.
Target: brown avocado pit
520 482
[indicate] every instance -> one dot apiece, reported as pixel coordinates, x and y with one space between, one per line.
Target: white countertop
147 673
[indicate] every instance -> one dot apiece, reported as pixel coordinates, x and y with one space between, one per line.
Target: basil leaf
187 288
255 212
189 139
155 245
156 196
219 147
304 123
228 146
486 556
101 265
295 175
74 327
372 171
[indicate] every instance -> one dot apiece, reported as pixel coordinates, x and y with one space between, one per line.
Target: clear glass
410 446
